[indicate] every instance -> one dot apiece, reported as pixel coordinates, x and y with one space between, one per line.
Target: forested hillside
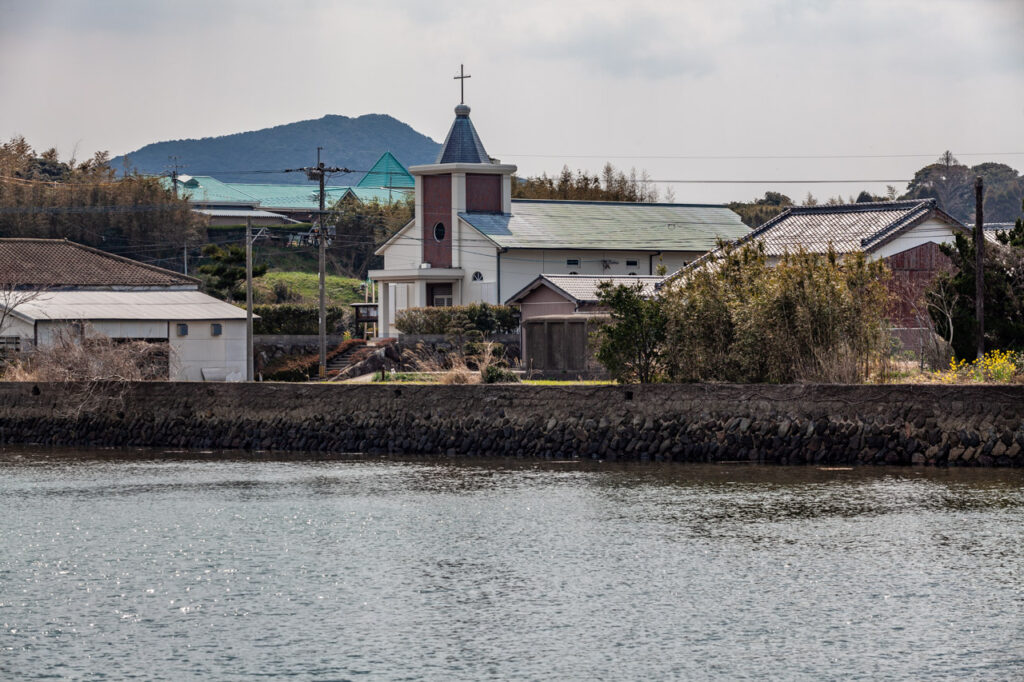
347 142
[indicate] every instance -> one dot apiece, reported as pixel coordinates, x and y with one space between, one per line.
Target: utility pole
979 264
248 300
319 173
174 174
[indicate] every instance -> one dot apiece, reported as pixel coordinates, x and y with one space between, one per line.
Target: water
207 568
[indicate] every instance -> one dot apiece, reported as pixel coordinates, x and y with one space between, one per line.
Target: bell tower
464 179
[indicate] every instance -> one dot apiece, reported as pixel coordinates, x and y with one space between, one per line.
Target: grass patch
569 382
306 285
408 378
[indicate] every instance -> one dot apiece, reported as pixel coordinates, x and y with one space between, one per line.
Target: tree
11 298
1003 287
630 346
361 228
42 196
609 185
222 277
760 211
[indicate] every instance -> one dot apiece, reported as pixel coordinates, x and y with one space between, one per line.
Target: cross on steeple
462 83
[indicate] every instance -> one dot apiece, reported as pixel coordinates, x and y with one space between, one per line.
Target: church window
478 276
439 232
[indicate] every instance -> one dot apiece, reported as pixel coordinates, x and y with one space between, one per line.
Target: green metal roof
540 224
203 189
387 172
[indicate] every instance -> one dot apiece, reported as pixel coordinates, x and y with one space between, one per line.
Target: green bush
494 374
293 318
810 317
482 317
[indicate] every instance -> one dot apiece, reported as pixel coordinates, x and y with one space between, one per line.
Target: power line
741 157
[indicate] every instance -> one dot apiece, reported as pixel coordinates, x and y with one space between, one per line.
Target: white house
122 299
471 242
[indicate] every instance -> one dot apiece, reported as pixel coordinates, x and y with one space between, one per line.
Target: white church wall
405 252
479 254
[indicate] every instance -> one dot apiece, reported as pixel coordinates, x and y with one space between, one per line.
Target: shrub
810 317
494 374
631 344
478 317
290 318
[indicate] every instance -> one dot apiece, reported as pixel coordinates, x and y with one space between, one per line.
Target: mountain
354 143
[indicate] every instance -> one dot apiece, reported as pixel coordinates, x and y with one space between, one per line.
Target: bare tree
11 298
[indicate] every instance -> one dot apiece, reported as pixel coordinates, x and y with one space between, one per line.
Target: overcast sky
552 83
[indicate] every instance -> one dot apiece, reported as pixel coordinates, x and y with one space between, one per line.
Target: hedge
482 317
296 318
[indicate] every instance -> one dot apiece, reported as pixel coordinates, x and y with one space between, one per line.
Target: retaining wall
936 425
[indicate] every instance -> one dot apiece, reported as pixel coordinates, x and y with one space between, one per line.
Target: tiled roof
848 228
387 172
609 225
462 145
583 288
60 263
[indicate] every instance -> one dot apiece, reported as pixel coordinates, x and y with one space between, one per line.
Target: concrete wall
936 425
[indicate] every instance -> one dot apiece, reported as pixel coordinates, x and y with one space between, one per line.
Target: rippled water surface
167 567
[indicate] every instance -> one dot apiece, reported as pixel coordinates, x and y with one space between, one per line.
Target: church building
471 242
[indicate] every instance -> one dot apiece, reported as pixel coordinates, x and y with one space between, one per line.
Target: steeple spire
463 145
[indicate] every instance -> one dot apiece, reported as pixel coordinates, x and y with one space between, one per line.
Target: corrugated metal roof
128 305
387 172
609 225
462 145
583 288
59 263
241 213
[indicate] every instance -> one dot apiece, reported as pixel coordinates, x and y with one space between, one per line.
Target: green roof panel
387 172
545 224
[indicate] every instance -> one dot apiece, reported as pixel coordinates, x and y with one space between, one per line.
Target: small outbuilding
558 314
50 284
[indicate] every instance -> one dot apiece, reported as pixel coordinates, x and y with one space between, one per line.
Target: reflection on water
162 566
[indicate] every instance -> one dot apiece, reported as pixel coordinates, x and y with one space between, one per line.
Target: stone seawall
796 424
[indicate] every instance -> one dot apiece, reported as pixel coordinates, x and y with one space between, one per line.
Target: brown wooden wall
437 208
483 193
912 272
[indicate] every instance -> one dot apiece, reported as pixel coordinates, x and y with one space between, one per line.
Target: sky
886 85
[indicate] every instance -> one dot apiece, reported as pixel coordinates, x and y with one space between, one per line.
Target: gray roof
607 225
463 145
583 288
848 228
128 305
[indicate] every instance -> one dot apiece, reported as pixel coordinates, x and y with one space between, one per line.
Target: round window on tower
478 276
439 232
